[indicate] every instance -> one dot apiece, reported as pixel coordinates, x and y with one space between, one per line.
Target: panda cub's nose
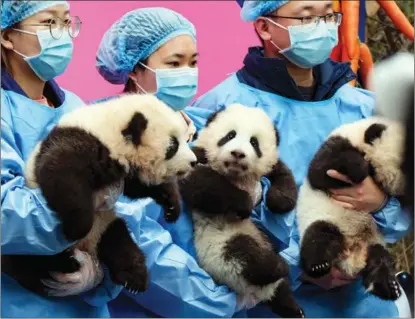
238 154
193 163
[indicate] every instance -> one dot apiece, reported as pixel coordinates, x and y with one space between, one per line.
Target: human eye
308 19
331 17
174 64
48 21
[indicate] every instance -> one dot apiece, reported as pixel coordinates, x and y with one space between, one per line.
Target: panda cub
135 144
332 235
236 148
395 100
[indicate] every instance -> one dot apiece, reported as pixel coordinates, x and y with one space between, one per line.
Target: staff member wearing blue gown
36 47
154 50
307 95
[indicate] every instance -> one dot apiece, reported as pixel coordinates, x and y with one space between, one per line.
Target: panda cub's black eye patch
255 144
374 132
231 135
173 148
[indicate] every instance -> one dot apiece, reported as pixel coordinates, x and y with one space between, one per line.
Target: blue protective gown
179 287
28 226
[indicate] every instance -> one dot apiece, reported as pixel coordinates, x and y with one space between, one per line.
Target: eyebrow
181 56
311 8
53 11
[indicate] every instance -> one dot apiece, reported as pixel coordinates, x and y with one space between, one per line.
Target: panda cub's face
162 151
239 142
381 141
143 134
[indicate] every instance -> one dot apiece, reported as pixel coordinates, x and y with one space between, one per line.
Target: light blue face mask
175 87
311 44
54 56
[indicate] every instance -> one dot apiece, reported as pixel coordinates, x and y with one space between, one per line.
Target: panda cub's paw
167 195
321 245
318 270
383 284
378 276
134 279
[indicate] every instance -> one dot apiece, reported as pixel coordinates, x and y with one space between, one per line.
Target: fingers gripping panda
347 239
236 148
135 140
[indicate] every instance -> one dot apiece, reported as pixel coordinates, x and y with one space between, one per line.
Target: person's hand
191 129
89 276
366 196
333 279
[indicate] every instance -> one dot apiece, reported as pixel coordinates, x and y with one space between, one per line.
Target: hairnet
254 9
14 11
135 37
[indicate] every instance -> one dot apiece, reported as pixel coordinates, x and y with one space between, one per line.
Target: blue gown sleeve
178 287
27 224
393 222
209 101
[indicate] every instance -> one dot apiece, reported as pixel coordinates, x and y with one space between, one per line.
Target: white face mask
175 87
311 44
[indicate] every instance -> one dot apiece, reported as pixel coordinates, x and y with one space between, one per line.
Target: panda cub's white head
141 132
239 142
381 141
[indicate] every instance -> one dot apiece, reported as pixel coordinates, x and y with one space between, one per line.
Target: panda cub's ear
373 132
200 154
135 128
213 117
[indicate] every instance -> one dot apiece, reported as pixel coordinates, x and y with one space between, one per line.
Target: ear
213 117
373 132
5 41
200 154
261 27
135 128
277 135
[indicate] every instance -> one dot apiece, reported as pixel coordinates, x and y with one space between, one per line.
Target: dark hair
130 85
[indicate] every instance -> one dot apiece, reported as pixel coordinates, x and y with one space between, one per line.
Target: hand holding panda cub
349 240
134 143
236 148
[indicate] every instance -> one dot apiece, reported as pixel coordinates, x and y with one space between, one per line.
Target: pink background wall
223 40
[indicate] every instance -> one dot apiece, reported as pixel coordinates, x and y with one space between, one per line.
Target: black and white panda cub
395 100
135 141
332 235
236 148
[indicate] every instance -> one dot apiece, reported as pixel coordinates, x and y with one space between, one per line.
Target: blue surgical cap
14 11
135 37
251 10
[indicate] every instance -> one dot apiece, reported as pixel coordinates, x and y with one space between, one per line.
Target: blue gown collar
52 90
271 75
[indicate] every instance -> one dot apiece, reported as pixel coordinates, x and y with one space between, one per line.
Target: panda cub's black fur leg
64 262
378 275
283 302
73 204
282 195
260 267
337 153
30 270
209 192
125 261
166 195
322 243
